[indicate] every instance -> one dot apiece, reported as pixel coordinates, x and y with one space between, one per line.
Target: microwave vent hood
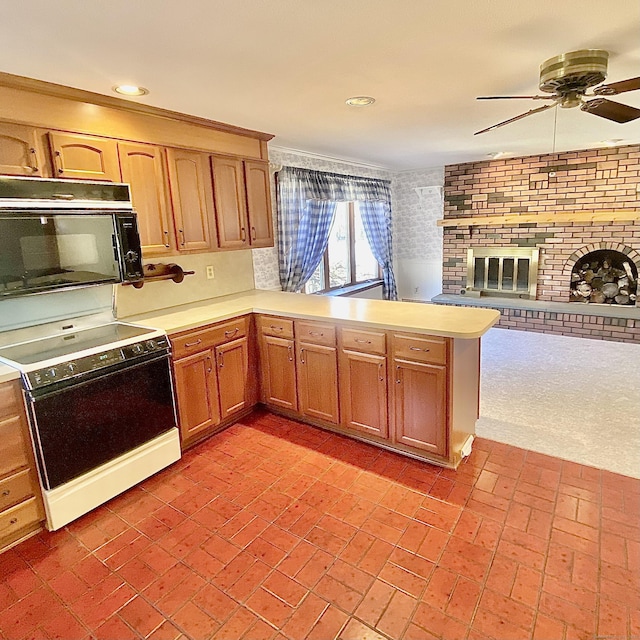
45 193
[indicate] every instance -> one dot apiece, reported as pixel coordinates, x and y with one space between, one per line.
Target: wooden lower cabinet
278 372
318 382
363 392
232 364
420 406
21 509
197 394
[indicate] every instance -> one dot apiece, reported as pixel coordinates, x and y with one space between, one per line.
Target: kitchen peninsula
400 375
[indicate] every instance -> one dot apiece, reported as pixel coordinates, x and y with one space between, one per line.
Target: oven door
79 426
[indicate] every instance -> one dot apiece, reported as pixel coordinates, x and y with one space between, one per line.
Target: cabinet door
363 392
258 203
231 211
142 167
232 361
197 394
279 373
190 183
84 157
20 152
420 406
318 382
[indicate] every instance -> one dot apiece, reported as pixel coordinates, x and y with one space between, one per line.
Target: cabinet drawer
15 488
208 337
364 340
273 326
421 348
10 399
19 517
316 333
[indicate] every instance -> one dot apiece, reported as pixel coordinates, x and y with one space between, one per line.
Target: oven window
47 252
85 425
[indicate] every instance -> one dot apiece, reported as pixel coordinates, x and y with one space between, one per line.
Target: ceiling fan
567 78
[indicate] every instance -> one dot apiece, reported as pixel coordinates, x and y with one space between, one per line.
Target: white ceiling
287 66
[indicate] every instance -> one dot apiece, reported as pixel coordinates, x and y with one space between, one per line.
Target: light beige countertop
8 373
439 320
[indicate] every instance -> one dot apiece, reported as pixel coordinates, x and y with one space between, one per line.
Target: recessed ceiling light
360 101
130 90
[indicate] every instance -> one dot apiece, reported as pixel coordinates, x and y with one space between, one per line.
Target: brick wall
590 180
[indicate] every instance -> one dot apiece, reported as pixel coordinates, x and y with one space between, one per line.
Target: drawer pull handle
243 235
221 359
209 365
398 375
13 521
231 332
253 233
34 166
6 492
182 240
274 328
290 352
381 372
302 356
188 345
363 341
419 349
316 333
166 239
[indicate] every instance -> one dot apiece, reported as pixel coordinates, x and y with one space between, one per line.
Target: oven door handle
34 395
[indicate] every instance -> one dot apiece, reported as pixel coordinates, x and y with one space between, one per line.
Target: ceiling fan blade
610 110
522 115
516 98
613 89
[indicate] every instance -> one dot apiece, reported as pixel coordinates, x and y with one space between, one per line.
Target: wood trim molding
561 217
80 95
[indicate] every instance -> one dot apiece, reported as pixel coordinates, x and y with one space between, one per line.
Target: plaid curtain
306 207
376 220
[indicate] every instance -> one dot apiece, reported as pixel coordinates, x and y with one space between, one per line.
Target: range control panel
87 364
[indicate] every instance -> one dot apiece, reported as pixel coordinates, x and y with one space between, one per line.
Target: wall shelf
514 219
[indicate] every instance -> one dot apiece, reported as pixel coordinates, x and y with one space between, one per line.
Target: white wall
417 241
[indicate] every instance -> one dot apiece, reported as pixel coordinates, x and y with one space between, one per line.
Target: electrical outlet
210 274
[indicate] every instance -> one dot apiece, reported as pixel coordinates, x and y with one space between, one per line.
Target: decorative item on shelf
161 271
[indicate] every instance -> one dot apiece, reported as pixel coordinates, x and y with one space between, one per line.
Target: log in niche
604 277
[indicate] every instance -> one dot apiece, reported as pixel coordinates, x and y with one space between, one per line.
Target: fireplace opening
502 271
604 276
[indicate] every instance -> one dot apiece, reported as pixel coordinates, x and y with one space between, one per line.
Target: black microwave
60 241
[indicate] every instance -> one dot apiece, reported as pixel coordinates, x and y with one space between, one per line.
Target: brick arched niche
603 273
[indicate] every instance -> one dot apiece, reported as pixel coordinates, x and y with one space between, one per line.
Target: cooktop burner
69 344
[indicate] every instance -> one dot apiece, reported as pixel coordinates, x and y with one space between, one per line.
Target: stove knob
70 368
152 345
137 348
131 256
52 373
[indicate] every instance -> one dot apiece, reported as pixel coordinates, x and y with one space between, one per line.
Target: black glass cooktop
71 343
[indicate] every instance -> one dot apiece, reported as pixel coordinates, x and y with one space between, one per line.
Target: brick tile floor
274 530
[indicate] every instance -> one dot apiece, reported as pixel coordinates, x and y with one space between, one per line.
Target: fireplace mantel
561 217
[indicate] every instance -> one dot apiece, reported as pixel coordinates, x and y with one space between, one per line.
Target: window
348 259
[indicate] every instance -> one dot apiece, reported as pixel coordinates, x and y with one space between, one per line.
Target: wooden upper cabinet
230 197
84 157
142 167
192 200
259 203
20 151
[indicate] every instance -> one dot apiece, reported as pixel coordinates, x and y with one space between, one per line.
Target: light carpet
575 398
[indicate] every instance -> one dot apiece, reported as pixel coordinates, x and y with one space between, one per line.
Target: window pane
339 267
316 281
366 264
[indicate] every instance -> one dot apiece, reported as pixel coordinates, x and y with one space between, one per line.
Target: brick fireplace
567 206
